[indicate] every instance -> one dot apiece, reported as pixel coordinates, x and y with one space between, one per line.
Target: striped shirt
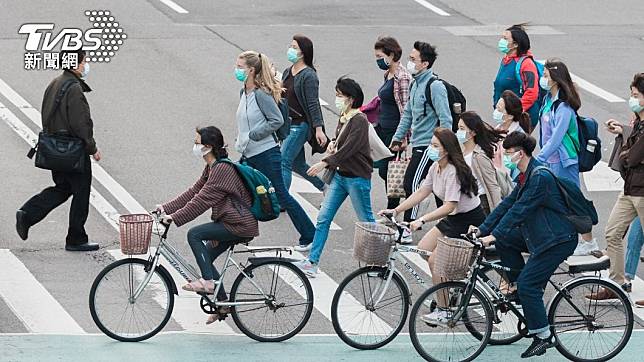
221 189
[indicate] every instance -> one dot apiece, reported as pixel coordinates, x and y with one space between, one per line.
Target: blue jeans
293 158
571 172
359 190
633 248
269 163
534 274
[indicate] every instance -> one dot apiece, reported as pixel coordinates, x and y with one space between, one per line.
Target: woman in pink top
451 180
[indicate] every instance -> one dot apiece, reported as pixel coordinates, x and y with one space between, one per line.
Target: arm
560 123
635 155
311 90
401 91
534 194
271 112
356 139
493 219
414 199
80 120
441 104
404 125
443 211
181 200
530 81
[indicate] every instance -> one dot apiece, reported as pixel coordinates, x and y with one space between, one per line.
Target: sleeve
452 187
80 119
493 219
311 88
488 177
357 137
402 91
441 104
271 112
428 183
404 125
181 200
560 123
534 194
211 194
530 82
635 154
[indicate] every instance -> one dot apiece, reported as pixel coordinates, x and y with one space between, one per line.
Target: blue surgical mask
461 135
291 55
382 63
240 74
634 105
507 162
497 116
543 83
433 153
85 70
503 46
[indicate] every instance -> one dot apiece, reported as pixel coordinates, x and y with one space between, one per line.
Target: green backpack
265 205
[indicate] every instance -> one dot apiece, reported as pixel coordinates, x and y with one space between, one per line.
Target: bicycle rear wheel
114 310
287 301
601 332
358 320
448 339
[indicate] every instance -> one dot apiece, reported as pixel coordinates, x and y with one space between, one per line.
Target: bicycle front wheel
366 313
286 300
440 321
590 330
116 312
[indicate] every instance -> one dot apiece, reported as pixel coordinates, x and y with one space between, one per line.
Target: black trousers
76 185
417 169
386 135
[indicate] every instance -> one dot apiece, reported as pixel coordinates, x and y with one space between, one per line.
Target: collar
68 74
508 58
347 116
426 74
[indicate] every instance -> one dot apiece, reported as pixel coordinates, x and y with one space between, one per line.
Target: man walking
70 116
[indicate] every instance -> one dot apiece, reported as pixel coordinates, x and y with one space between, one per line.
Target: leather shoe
82 247
22 227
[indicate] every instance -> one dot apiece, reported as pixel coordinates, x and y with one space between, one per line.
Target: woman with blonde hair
258 117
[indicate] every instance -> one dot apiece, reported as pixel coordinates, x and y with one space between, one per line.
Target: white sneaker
307 267
586 247
303 248
406 237
438 317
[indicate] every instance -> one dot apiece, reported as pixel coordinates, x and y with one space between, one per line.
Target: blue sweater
419 116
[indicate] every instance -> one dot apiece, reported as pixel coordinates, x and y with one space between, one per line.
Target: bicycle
583 329
270 300
367 312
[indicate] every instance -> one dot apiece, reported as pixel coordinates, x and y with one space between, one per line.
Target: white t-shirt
468 160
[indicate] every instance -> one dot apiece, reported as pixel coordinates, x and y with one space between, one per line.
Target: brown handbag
396 176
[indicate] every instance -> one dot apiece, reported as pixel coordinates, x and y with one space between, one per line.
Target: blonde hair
264 77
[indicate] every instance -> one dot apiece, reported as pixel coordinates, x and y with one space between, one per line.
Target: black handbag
59 151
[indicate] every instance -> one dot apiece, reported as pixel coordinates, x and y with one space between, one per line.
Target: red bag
372 110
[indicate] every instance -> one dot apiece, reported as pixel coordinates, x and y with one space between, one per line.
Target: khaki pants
624 211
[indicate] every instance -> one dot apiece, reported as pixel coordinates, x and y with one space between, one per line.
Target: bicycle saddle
581 264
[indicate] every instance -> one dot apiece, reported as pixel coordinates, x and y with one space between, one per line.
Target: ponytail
264 78
525 123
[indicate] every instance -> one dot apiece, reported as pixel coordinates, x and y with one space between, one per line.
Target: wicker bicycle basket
372 243
135 233
453 258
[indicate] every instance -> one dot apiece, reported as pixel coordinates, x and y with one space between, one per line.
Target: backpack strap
562 190
59 97
428 98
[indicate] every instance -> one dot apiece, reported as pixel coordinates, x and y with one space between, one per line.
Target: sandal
194 286
222 313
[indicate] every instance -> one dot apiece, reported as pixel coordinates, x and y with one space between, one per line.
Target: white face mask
497 116
85 70
341 104
200 150
411 68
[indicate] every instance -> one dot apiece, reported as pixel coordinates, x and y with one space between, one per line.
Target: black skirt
453 226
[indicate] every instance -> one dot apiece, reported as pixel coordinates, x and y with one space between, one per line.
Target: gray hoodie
258 117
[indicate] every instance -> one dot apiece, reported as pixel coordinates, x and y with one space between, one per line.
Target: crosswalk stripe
187 312
30 301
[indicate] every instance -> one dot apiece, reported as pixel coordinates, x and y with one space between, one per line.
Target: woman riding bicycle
527 221
221 189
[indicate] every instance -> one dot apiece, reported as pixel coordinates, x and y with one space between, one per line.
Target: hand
166 219
416 225
475 230
330 149
395 146
97 156
317 168
390 212
614 127
320 136
488 240
404 144
158 209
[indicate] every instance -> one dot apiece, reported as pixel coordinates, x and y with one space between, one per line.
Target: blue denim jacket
531 208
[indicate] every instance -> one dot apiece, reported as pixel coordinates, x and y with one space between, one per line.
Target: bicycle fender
168 278
587 277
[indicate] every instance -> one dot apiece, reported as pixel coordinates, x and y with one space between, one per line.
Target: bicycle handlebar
157 217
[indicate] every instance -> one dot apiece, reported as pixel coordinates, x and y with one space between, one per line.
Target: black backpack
454 95
587 129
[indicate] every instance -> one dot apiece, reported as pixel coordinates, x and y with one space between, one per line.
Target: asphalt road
175 71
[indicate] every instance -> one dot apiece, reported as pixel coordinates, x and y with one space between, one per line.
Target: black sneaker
538 347
22 227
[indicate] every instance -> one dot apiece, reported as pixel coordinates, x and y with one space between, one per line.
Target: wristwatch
422 221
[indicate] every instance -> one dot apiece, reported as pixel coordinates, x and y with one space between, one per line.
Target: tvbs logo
101 41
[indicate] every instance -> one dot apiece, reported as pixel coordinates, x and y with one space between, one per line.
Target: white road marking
603 178
594 89
187 312
299 185
433 8
30 301
174 6
323 102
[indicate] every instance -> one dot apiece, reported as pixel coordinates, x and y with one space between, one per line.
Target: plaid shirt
402 80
